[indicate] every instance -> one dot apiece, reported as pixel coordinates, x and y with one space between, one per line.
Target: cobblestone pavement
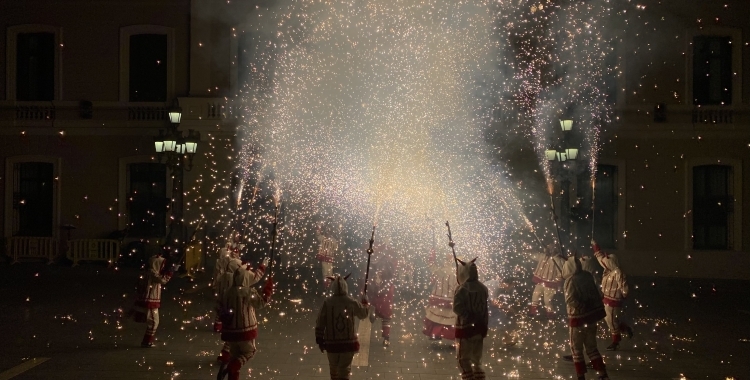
69 320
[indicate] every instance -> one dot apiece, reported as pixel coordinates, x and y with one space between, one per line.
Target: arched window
714 195
34 61
32 196
147 60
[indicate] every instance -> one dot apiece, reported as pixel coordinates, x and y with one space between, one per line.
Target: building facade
674 163
86 88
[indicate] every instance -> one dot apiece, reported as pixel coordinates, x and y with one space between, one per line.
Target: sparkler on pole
452 245
369 255
593 204
273 242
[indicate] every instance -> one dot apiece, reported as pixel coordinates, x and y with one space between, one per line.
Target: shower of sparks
392 113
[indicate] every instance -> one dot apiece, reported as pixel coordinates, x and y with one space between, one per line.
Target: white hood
609 261
339 285
571 267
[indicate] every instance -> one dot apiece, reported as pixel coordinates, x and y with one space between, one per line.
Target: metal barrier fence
31 247
93 250
193 258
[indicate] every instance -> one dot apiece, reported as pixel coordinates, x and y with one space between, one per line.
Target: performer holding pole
439 317
548 280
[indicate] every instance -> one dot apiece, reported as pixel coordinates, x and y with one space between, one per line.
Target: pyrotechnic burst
381 112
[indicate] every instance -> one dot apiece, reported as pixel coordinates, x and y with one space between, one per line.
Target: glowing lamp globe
191 141
170 144
572 153
175 115
159 142
551 154
566 124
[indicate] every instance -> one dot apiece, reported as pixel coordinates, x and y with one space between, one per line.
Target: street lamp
565 153
562 153
172 145
173 148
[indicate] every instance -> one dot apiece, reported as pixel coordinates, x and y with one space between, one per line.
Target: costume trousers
543 293
340 365
469 355
152 322
385 324
613 322
242 351
583 338
224 355
327 270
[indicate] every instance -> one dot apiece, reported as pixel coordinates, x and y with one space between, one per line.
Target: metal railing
713 115
30 247
38 112
145 113
106 250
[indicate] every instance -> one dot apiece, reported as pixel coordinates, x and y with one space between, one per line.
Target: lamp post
565 154
177 152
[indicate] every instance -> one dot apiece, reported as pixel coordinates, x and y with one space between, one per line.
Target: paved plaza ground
60 322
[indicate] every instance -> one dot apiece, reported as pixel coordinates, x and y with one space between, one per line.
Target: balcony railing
41 111
712 115
671 117
197 112
147 113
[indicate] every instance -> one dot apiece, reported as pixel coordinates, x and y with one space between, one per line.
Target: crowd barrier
93 250
31 247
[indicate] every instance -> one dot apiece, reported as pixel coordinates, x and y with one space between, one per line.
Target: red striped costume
614 291
226 264
439 315
585 308
226 283
548 278
326 254
148 297
240 323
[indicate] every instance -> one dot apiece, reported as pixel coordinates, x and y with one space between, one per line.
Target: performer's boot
148 341
615 342
628 330
224 357
222 371
234 369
